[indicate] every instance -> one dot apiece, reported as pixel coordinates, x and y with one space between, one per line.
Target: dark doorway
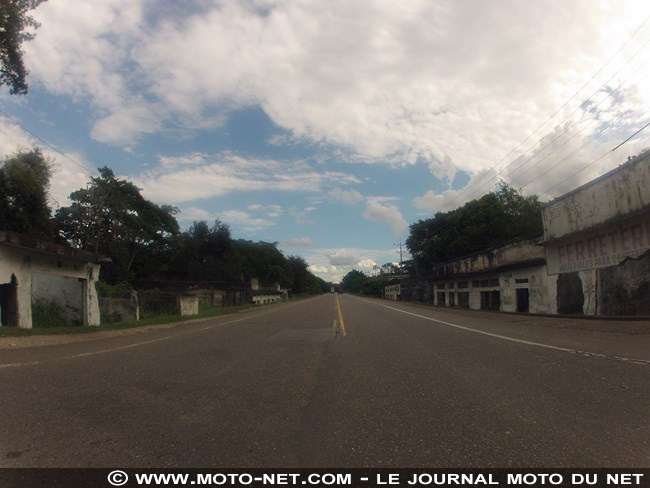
441 298
9 303
522 300
463 299
570 299
485 300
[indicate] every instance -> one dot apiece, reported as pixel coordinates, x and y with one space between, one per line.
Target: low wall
187 305
257 299
119 309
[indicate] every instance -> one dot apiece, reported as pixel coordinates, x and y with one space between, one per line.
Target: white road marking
143 343
513 339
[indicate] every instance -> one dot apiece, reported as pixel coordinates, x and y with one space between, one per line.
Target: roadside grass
204 312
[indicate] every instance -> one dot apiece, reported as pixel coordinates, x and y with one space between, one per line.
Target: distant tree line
110 217
490 221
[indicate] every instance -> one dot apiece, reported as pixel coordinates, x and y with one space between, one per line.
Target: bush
121 290
46 313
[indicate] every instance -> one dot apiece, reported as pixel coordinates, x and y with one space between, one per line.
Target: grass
204 312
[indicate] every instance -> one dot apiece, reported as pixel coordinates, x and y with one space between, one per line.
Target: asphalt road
274 387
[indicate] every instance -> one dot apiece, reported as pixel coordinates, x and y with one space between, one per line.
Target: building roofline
493 248
645 154
31 243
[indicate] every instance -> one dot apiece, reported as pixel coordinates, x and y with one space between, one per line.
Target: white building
34 271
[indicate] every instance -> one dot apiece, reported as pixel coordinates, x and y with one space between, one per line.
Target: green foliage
143 241
203 253
119 290
46 313
13 22
112 218
358 282
24 183
490 221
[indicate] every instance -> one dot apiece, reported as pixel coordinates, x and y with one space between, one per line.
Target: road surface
276 387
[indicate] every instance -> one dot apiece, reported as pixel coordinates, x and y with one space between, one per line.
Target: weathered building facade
511 278
593 258
597 240
37 272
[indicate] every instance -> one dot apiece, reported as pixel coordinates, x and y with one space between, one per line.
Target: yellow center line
341 322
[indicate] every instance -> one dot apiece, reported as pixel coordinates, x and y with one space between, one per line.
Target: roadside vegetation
141 239
492 220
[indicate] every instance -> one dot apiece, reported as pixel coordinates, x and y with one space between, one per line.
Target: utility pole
401 271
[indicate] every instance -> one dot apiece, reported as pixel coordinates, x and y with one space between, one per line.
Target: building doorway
570 298
9 303
523 305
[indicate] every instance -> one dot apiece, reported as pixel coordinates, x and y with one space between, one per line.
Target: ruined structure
593 258
35 273
597 240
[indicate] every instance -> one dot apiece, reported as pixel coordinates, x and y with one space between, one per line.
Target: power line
549 144
631 137
565 103
591 163
33 134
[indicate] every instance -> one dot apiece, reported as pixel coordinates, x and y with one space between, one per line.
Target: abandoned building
267 293
510 278
38 275
593 258
597 240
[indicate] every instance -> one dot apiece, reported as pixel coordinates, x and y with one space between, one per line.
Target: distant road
275 387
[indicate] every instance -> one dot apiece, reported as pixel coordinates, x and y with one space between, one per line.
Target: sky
329 127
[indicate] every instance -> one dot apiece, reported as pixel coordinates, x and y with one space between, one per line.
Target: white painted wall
24 262
187 305
624 191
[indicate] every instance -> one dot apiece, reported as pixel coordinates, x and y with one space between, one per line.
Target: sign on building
599 248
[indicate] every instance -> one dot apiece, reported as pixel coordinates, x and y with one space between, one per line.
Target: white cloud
244 221
341 257
366 264
346 196
333 264
202 176
377 212
68 175
298 242
378 79
237 219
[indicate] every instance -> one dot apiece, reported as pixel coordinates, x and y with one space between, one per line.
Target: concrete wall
187 305
23 263
119 309
625 289
524 250
259 299
598 248
621 192
65 291
392 292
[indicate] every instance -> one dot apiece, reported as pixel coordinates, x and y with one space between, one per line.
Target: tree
204 253
13 22
111 217
388 269
490 221
24 183
354 281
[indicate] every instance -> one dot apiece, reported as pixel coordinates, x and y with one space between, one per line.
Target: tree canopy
144 242
14 20
492 220
24 183
112 217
